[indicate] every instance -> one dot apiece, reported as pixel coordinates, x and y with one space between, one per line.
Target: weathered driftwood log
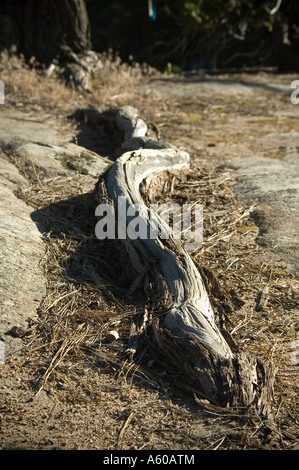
186 335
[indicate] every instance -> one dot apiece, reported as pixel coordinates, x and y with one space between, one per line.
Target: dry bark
186 335
45 29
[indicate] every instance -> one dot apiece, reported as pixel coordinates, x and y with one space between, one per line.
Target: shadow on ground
96 131
235 83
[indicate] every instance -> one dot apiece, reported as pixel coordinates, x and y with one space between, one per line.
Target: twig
124 427
36 174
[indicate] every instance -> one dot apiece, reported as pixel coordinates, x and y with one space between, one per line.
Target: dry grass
67 348
87 296
80 307
27 83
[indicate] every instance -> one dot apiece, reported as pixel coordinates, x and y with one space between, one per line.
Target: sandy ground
231 126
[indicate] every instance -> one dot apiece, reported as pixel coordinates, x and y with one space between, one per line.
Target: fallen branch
186 335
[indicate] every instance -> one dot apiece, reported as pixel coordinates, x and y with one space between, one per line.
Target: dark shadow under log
186 335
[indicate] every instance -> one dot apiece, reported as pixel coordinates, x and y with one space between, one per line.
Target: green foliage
229 33
121 25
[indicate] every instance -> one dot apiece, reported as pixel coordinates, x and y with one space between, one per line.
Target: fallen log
186 335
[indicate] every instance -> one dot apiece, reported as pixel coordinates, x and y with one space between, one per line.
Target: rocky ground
62 385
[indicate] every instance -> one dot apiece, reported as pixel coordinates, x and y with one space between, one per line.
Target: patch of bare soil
71 387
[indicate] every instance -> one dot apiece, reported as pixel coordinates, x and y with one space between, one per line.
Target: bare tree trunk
186 335
46 28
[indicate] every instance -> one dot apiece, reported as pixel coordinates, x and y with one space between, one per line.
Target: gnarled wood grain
187 335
